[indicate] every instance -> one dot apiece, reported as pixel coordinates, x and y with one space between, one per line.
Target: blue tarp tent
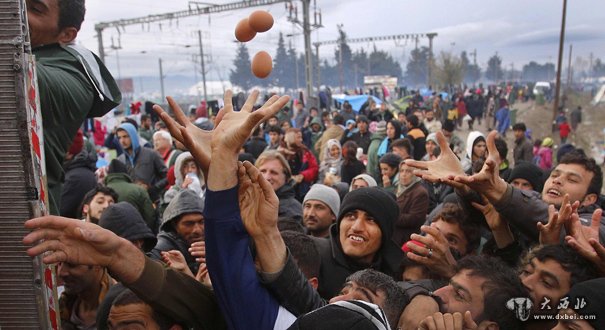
356 100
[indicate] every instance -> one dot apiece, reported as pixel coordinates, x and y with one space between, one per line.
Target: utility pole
199 36
590 67
340 66
569 74
161 79
306 26
308 51
474 53
555 108
316 44
430 65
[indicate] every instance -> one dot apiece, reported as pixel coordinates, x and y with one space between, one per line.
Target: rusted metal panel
27 290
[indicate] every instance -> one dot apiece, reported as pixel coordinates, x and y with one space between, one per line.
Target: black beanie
116 166
352 315
124 220
378 203
564 150
591 293
530 172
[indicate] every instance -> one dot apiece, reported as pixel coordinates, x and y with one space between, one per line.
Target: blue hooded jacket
134 138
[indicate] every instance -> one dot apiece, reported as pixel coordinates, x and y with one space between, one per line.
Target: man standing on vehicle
73 83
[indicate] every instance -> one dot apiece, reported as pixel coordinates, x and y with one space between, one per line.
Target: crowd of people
276 215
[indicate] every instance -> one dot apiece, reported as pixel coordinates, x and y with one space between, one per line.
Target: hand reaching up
443 169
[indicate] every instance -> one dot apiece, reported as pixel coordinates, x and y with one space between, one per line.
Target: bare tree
449 69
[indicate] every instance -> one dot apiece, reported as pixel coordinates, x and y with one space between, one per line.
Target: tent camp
356 101
600 96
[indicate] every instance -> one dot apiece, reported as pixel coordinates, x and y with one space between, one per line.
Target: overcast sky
519 30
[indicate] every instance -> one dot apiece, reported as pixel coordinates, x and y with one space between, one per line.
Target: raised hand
487 181
585 239
435 254
236 126
194 138
550 233
499 227
175 260
443 169
258 202
83 243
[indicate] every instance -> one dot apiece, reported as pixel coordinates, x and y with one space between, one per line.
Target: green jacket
73 84
133 194
373 166
178 296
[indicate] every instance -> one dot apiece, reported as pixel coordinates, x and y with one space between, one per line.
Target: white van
540 87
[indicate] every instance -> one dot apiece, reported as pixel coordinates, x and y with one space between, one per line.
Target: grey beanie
325 195
186 201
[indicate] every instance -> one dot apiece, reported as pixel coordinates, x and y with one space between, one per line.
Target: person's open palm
443 169
258 202
236 126
490 172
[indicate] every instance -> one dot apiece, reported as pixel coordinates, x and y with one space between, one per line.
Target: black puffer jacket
79 179
290 209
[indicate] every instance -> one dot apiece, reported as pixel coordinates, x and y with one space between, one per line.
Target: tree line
350 67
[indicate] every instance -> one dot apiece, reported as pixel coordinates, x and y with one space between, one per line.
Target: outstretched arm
83 243
244 301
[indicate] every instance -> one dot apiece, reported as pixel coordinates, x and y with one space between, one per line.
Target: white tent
600 96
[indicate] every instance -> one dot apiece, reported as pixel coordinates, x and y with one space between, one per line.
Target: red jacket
310 173
564 129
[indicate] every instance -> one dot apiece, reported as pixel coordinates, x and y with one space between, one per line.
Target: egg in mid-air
262 64
260 21
243 31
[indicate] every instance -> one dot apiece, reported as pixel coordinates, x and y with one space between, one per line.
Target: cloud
551 36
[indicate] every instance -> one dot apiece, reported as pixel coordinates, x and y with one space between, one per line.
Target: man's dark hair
128 297
275 129
92 193
580 158
338 120
131 121
519 127
303 251
71 13
403 143
145 117
454 214
375 281
501 147
501 284
579 269
413 120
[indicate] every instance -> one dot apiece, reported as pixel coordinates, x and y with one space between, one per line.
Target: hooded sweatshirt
143 164
134 140
467 162
198 184
185 202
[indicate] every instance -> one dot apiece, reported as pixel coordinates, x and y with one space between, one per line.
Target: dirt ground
589 136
